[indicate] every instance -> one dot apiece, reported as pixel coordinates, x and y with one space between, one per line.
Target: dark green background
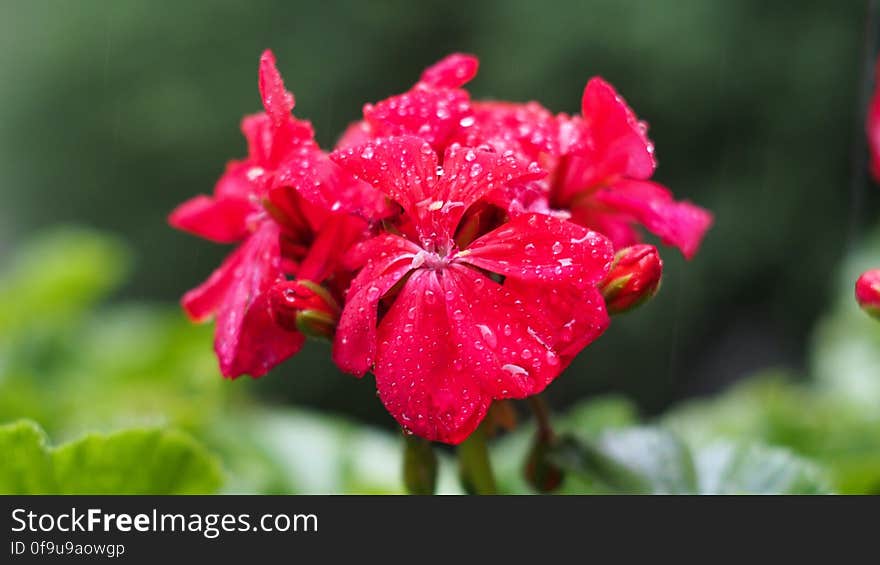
113 112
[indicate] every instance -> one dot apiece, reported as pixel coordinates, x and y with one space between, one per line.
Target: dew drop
514 369
488 335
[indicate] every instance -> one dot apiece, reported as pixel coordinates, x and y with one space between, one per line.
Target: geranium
452 337
434 244
274 205
599 162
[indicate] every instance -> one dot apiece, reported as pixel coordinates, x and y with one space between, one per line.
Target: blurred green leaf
658 457
728 468
807 419
142 461
26 467
656 461
296 451
58 275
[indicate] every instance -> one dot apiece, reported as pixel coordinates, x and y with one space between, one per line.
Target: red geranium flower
599 163
277 204
452 336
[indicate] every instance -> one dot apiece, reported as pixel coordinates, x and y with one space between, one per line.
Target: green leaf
140 461
26 466
728 468
655 460
811 421
58 275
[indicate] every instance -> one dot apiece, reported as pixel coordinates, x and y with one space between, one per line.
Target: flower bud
634 278
304 306
868 292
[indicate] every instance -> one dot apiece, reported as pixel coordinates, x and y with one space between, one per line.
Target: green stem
419 465
542 417
474 466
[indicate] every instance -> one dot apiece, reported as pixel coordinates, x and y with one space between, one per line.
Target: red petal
354 349
430 113
616 135
452 71
259 133
247 341
357 133
570 318
504 346
333 239
529 130
403 168
223 220
615 226
373 253
420 374
322 182
257 345
681 224
242 179
470 174
203 301
277 101
540 248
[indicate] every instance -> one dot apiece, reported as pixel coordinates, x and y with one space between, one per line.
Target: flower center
430 260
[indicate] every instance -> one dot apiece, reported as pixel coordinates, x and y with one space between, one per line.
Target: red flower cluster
454 248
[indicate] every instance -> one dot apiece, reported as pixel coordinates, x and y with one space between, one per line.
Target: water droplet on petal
488 335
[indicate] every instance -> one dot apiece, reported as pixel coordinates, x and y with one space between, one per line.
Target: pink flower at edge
282 225
868 292
452 338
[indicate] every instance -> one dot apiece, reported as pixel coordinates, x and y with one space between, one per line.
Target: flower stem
474 467
542 417
419 465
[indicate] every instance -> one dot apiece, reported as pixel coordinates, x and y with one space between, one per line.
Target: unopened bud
868 292
634 278
304 306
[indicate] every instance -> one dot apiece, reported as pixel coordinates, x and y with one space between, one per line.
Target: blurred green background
114 112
